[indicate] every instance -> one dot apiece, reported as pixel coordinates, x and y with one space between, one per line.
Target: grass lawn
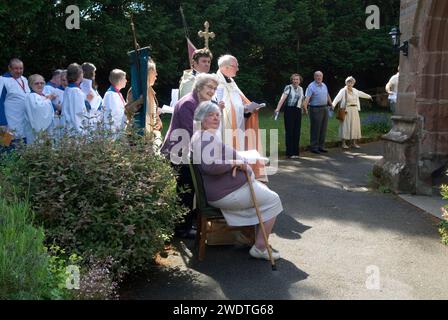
373 125
376 127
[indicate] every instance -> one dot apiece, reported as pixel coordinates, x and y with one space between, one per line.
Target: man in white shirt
392 90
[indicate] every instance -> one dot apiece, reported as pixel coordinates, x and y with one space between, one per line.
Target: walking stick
263 230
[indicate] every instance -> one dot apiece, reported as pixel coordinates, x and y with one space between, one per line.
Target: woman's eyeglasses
211 87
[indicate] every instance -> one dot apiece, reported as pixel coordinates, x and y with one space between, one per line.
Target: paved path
332 232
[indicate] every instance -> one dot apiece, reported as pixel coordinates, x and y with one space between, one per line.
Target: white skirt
350 128
238 208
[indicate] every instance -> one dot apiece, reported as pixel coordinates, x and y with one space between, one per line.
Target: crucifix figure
205 34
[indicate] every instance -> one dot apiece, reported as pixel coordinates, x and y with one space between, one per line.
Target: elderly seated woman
223 172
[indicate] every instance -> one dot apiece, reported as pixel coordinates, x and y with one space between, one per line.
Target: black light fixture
395 35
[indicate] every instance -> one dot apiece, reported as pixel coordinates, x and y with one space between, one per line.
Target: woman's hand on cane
243 166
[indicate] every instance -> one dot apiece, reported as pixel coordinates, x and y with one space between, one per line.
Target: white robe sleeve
66 109
78 110
96 101
58 92
39 112
38 115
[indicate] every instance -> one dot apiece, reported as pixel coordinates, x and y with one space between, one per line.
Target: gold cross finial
205 34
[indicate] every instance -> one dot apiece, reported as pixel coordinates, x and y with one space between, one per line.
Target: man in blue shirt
318 99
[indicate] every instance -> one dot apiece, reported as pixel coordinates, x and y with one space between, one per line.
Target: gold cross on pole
205 34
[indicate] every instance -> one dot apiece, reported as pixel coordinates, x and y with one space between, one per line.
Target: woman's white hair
202 79
350 79
203 109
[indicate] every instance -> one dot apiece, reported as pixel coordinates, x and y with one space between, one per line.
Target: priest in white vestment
233 121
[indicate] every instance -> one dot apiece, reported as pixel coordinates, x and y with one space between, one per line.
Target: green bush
25 266
378 123
443 230
98 197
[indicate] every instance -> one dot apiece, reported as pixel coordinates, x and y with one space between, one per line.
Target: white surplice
114 116
16 91
39 114
232 97
74 109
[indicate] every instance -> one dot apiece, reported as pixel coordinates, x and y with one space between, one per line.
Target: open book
252 156
251 107
174 97
167 109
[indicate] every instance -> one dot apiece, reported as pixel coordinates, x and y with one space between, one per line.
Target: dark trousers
318 127
293 124
184 188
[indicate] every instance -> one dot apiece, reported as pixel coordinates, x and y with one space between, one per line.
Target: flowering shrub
443 226
379 123
97 281
97 196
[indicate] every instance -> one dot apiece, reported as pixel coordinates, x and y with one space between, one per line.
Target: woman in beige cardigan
350 128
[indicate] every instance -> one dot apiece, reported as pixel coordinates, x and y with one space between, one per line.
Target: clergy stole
151 111
151 129
252 141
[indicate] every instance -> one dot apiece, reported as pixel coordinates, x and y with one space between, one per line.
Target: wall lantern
395 35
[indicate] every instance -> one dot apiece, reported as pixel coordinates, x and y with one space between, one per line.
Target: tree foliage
271 38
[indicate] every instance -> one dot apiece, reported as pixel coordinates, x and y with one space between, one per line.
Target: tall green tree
271 39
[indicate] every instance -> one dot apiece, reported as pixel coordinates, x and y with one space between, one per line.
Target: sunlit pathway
337 238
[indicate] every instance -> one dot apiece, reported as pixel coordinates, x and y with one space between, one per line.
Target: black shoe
315 151
323 150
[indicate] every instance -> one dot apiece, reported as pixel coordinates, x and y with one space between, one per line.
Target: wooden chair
209 217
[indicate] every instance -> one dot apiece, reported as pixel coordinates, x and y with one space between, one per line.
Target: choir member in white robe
54 87
39 111
74 108
94 99
12 104
114 103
